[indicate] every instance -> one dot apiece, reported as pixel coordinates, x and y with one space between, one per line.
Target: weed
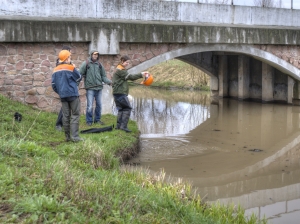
176 73
44 179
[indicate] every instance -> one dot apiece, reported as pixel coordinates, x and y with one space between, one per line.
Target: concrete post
214 86
243 77
267 82
290 90
223 76
298 90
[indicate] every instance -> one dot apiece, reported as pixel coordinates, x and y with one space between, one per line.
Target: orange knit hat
64 55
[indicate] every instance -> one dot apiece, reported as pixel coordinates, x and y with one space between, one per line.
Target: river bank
47 180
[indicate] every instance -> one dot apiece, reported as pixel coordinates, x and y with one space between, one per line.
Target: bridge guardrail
290 4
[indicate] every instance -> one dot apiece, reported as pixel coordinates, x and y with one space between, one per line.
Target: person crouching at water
64 82
120 91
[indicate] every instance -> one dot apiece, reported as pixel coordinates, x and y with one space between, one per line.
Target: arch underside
209 49
238 71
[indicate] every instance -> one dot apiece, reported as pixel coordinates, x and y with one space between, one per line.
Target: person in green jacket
94 76
120 92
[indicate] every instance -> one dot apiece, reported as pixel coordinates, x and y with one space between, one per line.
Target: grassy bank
44 179
175 73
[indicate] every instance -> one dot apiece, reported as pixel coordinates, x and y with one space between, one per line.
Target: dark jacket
93 73
120 77
64 80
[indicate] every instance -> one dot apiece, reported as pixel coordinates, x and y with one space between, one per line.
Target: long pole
291 4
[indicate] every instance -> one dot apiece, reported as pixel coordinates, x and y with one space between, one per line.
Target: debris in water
255 150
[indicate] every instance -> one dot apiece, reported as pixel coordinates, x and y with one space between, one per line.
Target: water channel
232 151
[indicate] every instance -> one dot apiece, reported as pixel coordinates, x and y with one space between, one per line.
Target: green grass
44 179
176 73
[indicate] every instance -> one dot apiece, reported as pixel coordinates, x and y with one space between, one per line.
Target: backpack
87 65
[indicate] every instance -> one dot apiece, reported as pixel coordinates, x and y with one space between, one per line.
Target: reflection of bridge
218 162
274 203
268 184
236 127
249 52
216 158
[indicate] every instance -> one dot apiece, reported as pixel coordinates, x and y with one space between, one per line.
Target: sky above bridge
284 3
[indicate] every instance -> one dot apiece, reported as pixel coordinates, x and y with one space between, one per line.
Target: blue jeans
90 96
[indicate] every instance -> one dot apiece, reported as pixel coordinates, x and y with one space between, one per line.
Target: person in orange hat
120 91
65 78
58 123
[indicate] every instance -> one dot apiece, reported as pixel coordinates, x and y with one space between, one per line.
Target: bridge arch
239 71
249 50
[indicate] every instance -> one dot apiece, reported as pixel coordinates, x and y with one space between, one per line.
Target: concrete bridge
249 52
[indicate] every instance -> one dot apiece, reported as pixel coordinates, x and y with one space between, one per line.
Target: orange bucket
148 80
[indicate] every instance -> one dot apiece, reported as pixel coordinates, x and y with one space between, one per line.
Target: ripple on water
155 149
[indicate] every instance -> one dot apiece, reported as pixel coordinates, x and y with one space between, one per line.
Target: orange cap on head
63 55
148 80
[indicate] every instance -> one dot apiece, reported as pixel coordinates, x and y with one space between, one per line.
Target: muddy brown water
232 151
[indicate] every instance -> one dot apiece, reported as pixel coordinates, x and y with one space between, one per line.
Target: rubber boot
67 133
75 133
125 119
119 119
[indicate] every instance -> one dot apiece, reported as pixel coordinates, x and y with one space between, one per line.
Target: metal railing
285 4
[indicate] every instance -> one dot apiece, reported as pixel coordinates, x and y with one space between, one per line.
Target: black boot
125 119
67 133
75 133
119 119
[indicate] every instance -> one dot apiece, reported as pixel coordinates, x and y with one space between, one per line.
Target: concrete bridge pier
296 93
243 77
290 90
214 86
267 83
223 76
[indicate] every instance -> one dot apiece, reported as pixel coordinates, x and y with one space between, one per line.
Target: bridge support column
214 86
290 90
297 94
223 76
243 77
267 82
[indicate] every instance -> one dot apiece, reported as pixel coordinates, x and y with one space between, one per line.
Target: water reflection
241 152
173 114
